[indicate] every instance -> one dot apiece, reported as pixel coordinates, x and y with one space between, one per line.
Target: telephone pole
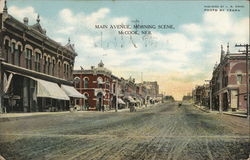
247 75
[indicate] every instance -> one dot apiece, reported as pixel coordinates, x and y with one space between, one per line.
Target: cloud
178 60
20 13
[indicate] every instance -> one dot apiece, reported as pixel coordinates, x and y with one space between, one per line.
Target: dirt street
165 131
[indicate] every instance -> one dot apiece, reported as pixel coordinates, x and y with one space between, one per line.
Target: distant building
35 71
152 88
229 82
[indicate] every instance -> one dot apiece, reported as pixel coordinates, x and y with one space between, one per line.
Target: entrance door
234 99
99 101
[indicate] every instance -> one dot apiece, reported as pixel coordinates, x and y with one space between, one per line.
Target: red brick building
229 82
97 84
35 71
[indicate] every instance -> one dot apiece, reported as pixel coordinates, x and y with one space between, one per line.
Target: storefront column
220 102
1 86
25 95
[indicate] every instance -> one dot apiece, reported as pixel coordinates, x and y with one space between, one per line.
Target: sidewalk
236 113
5 116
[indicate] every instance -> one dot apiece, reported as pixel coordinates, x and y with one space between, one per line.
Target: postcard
124 80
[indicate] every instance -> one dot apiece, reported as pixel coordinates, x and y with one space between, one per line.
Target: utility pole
210 94
247 75
116 91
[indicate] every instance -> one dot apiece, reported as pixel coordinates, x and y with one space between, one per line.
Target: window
48 65
113 88
86 83
45 65
53 67
7 50
13 49
37 62
18 56
99 82
59 69
239 79
28 59
77 82
107 84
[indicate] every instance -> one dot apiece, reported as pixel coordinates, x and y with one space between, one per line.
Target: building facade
35 71
98 86
229 82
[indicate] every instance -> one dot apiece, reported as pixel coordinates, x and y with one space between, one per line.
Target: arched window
28 58
18 56
86 82
99 82
49 65
7 49
44 64
77 82
53 66
13 50
37 62
59 68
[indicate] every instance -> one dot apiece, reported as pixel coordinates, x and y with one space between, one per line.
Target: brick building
98 85
201 95
35 71
229 82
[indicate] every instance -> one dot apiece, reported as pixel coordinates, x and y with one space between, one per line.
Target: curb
236 115
226 113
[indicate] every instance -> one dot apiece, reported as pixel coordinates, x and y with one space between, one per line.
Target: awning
6 82
72 92
50 90
131 100
120 101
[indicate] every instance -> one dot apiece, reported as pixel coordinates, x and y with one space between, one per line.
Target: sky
178 58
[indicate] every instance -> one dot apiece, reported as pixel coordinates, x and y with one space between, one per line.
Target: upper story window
28 58
49 65
18 56
107 84
53 67
13 49
99 82
7 49
114 88
65 69
59 69
86 82
239 79
37 62
77 82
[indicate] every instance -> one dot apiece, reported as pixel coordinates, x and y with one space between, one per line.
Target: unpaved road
162 132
